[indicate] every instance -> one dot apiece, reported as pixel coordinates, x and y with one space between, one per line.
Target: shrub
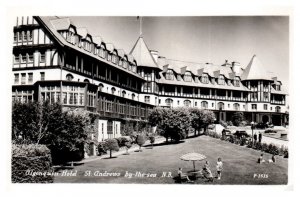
111 145
243 141
102 148
286 153
140 140
273 149
31 164
237 118
128 145
229 123
152 140
264 147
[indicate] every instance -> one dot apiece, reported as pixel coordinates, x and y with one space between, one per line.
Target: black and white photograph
188 100
196 100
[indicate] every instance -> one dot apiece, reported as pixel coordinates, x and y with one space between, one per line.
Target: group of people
262 160
259 137
206 172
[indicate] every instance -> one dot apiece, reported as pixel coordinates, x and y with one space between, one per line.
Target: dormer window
236 82
221 80
129 66
204 78
170 75
125 64
115 59
187 77
109 57
134 68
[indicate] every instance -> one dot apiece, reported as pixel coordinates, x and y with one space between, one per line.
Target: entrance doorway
265 118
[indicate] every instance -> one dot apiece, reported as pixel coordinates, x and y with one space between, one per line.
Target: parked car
226 132
262 125
241 134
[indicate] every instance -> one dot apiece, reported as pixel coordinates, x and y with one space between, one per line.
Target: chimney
236 67
161 61
154 55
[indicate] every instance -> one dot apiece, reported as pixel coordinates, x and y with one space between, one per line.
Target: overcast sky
202 39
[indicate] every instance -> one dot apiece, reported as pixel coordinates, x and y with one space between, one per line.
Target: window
220 106
204 78
125 64
187 103
169 102
15 36
24 36
236 106
254 106
133 96
69 77
123 93
266 96
221 80
277 109
147 99
147 76
30 77
196 104
236 82
170 75
30 57
29 34
147 87
42 57
204 104
42 76
23 78
188 77
17 59
265 106
17 78
113 90
24 58
20 36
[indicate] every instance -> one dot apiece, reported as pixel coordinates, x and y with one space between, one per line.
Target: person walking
255 137
259 137
219 168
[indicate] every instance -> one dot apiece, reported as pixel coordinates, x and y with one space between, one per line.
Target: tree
196 123
207 117
111 145
155 116
63 132
140 140
237 118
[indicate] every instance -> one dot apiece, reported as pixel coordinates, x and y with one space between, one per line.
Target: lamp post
215 124
252 127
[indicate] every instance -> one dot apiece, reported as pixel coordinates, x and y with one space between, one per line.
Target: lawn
240 165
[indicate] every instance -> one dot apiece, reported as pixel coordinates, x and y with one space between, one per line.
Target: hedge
269 148
31 164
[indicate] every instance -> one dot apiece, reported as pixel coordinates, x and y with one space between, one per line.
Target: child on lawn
219 168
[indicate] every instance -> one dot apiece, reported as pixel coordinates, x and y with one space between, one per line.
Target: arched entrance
265 118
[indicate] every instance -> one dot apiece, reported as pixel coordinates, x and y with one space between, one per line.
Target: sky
212 39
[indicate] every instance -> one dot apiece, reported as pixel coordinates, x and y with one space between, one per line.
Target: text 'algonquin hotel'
55 60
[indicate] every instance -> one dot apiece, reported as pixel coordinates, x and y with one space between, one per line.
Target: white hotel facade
56 60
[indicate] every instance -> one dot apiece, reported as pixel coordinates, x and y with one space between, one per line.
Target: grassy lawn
239 164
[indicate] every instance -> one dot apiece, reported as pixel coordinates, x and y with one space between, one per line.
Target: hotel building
56 60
